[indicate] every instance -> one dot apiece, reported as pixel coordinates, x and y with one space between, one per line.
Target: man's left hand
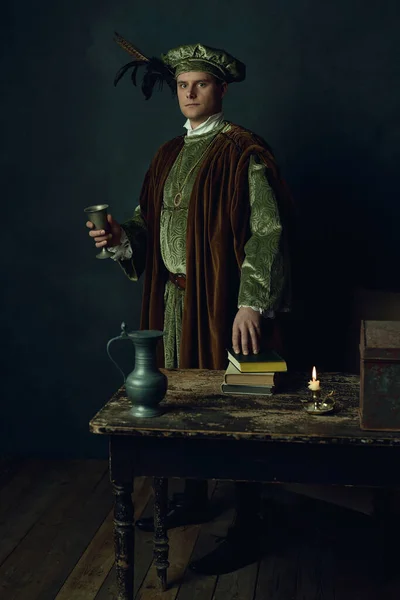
246 331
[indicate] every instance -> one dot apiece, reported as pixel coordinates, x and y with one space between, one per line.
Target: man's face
199 95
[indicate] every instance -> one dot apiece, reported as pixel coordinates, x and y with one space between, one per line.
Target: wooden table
207 435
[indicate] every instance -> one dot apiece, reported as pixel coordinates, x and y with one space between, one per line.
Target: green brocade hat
196 57
193 57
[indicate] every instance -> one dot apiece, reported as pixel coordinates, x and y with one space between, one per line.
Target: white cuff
124 250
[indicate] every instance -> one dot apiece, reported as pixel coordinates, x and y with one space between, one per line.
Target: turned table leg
161 547
122 476
124 540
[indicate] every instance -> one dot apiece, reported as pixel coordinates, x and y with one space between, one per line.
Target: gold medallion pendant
178 199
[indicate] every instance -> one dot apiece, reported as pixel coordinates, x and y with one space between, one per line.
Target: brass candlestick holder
319 405
97 214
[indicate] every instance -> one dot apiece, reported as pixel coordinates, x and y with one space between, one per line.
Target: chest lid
380 341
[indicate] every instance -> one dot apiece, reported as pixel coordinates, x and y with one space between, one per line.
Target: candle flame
314 374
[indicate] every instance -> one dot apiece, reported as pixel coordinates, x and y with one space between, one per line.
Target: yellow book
234 376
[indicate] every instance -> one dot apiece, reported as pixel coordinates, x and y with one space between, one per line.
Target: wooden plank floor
56 544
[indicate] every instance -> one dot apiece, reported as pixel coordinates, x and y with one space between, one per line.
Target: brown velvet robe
217 231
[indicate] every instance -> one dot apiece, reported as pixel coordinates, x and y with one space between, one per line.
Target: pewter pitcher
146 385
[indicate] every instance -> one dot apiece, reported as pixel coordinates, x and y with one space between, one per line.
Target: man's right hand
113 238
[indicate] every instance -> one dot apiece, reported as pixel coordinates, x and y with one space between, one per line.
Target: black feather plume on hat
156 71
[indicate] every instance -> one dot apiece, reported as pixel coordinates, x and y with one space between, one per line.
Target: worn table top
195 407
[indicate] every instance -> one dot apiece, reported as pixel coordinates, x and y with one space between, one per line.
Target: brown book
235 377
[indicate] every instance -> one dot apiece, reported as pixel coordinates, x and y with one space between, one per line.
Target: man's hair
216 80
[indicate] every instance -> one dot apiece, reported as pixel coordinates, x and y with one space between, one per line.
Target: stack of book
253 373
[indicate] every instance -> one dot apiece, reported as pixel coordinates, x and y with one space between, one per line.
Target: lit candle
313 385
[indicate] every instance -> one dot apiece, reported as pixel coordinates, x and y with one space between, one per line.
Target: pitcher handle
123 336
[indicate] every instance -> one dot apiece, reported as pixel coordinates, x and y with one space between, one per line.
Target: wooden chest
380 375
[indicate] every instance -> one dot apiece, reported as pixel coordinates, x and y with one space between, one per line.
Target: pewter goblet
97 214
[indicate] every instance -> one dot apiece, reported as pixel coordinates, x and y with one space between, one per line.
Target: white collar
208 125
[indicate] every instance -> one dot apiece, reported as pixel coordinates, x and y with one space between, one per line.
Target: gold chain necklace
178 195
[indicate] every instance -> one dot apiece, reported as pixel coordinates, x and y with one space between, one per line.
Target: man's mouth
192 105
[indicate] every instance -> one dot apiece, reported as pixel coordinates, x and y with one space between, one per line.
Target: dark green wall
322 88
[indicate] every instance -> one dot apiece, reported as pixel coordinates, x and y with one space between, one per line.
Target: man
209 234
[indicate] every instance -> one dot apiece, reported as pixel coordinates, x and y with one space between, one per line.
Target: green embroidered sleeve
262 276
136 231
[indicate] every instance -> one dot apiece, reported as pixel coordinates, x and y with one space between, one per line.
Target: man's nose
190 93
